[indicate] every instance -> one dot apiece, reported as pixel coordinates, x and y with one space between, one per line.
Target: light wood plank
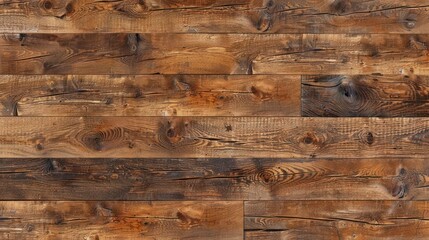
166 137
177 95
214 179
208 16
213 54
365 95
337 220
121 220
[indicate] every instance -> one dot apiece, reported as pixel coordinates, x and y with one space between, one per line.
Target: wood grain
336 220
167 137
214 179
121 220
213 54
365 95
270 95
208 16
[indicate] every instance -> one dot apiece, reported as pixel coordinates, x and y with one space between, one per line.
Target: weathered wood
121 220
164 137
208 16
214 179
337 220
271 95
366 95
213 54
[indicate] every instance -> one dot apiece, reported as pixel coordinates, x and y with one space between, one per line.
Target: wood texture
336 220
213 54
150 95
173 137
214 179
365 95
214 119
121 220
208 16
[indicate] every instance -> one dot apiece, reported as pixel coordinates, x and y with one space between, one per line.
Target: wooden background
214 119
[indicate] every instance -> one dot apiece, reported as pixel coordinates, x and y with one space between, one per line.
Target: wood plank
121 220
213 54
214 179
152 95
365 95
166 137
208 16
337 220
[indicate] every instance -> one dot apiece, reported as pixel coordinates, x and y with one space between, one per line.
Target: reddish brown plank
365 95
336 220
219 137
221 16
293 54
121 220
141 95
214 179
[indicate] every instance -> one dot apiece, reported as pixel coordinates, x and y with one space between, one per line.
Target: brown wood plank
365 95
337 220
121 220
153 95
213 54
208 16
164 137
214 179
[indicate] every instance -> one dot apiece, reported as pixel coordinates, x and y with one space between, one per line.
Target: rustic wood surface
336 220
214 119
150 95
221 16
214 179
121 220
213 137
135 53
365 95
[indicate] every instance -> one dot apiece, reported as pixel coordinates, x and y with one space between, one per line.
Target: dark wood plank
164 137
365 95
337 220
213 54
208 16
270 95
214 179
121 220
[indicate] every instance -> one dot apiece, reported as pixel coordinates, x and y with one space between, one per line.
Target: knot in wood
311 138
173 131
366 137
47 5
410 23
268 176
264 22
341 6
404 180
188 220
94 141
399 190
69 8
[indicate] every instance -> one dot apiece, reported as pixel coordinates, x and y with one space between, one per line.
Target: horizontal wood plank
213 54
336 220
365 95
208 16
121 220
152 95
214 179
166 137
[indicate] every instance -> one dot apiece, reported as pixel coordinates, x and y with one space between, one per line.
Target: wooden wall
214 119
